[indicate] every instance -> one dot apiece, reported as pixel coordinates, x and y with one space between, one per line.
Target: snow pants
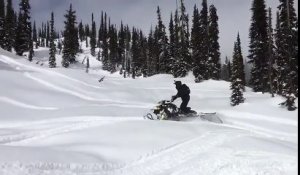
184 104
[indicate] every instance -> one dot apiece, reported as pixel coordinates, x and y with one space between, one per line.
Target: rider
184 94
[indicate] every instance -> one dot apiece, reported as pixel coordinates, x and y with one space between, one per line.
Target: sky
234 15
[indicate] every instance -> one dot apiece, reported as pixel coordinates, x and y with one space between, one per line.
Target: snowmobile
166 110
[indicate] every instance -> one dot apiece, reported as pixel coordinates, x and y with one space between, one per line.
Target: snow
64 122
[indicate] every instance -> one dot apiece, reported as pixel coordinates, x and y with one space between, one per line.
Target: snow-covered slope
63 121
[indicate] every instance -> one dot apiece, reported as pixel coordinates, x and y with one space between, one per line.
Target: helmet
178 83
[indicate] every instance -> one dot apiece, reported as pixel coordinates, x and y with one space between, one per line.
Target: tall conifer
258 53
23 34
71 45
52 59
237 86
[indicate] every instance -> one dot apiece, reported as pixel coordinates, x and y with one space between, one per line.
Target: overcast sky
234 15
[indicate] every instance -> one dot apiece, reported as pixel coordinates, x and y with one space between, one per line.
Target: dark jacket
183 91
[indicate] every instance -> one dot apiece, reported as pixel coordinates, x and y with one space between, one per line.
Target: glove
173 98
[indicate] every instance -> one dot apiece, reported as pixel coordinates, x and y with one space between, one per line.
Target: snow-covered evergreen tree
152 54
10 26
278 61
59 46
271 47
101 31
172 48
34 35
52 59
31 51
135 52
47 34
143 54
196 44
105 47
238 56
121 47
237 86
23 33
2 22
258 53
201 69
87 31
287 52
128 55
214 65
182 61
71 43
93 41
113 48
226 70
164 61
81 31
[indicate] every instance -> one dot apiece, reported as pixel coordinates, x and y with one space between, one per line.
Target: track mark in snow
8 60
45 83
53 127
171 157
252 116
263 131
74 93
223 162
200 155
23 105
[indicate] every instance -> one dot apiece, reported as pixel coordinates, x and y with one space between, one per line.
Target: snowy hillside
63 121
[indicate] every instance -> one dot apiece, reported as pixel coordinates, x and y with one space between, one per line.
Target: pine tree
229 67
226 70
182 61
172 39
278 61
113 49
201 69
238 56
2 26
81 31
71 45
23 33
127 52
34 34
101 31
105 47
271 70
42 42
143 55
59 46
196 45
52 59
47 34
287 52
164 62
93 37
214 65
31 51
121 47
152 61
135 53
10 26
87 30
258 52
237 86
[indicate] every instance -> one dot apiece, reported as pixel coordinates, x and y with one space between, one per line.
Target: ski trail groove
69 125
23 105
8 60
173 156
